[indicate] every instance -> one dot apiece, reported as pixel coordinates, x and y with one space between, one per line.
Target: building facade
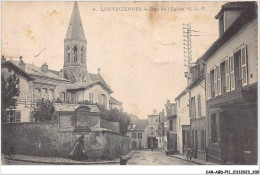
137 133
153 125
197 109
231 83
183 121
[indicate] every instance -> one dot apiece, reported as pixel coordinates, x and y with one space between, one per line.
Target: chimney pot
44 67
22 64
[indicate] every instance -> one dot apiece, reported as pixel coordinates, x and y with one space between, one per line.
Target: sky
140 52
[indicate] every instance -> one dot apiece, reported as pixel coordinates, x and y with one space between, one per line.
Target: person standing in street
77 152
188 153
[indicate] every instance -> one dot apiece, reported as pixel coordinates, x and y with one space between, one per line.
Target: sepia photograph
130 83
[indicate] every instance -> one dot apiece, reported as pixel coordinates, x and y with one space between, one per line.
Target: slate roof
140 125
75 29
246 17
37 71
97 77
64 107
115 101
234 6
85 85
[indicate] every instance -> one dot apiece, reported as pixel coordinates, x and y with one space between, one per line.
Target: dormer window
75 53
221 25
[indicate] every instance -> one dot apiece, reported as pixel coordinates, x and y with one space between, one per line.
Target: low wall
114 126
45 139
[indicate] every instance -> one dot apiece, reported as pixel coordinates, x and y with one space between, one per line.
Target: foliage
114 115
9 93
41 110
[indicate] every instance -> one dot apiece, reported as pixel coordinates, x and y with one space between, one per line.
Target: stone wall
114 126
45 139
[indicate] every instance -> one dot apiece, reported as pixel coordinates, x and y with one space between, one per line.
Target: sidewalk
196 161
63 161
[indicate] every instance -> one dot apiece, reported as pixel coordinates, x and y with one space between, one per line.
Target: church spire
75 29
75 47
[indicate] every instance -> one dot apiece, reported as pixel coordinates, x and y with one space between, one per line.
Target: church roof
75 29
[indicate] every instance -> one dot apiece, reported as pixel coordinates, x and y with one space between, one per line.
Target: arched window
68 50
81 54
75 53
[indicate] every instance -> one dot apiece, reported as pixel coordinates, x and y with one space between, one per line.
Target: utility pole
187 49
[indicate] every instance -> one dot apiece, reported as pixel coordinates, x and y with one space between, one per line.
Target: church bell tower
75 46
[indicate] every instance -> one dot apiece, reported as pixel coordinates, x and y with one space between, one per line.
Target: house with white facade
232 86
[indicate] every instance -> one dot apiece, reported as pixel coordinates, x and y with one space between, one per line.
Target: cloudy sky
140 53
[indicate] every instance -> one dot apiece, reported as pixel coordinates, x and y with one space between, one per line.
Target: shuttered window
219 80
216 81
17 116
227 75
244 66
232 73
209 86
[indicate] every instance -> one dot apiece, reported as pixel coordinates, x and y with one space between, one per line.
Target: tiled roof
85 85
37 71
64 107
97 77
140 125
115 101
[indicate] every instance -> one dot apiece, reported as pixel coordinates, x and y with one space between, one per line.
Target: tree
41 110
114 115
9 93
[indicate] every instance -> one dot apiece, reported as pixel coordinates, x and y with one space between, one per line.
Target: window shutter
227 75
18 116
209 87
232 74
219 80
244 66
215 82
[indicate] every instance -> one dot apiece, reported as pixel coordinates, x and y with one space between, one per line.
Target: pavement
26 159
155 157
196 161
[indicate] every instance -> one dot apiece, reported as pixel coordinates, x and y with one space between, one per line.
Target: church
73 84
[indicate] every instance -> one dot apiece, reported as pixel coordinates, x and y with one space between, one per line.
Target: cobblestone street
148 157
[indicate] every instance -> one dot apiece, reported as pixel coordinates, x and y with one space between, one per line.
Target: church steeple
75 46
75 29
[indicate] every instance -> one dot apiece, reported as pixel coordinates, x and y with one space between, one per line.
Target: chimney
21 63
3 59
154 112
44 67
99 70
